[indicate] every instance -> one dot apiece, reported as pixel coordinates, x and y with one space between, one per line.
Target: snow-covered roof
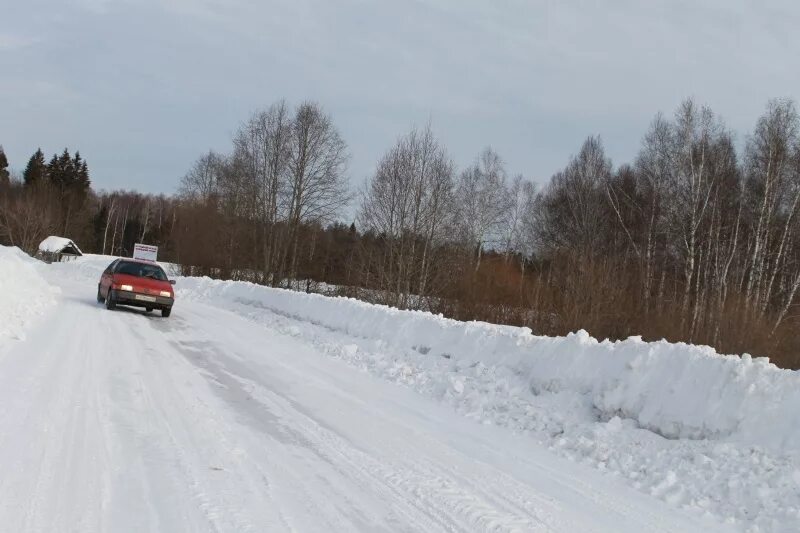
55 244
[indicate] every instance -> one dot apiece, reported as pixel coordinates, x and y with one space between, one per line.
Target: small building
56 249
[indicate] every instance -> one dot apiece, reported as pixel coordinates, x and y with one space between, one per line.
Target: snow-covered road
206 421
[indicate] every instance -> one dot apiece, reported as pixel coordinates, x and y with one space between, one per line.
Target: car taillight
166 294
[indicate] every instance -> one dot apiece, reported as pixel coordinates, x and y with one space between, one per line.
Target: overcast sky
142 87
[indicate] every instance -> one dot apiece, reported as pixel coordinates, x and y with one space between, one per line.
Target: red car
137 283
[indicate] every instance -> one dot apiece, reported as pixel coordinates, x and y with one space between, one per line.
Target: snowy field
257 409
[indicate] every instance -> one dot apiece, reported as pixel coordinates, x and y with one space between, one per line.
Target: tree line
694 240
55 197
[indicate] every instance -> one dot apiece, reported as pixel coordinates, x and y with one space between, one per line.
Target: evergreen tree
61 171
70 177
3 168
36 170
80 174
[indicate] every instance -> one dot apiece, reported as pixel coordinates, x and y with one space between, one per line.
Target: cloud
10 42
153 83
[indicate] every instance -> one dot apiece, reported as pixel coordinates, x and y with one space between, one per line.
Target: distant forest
692 241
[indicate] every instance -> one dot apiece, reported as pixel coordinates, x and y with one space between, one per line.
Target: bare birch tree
317 186
483 203
201 182
571 210
409 201
262 155
773 197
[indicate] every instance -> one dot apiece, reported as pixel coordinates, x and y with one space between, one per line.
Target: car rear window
141 270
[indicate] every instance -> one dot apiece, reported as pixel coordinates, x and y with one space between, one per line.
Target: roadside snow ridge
25 293
673 389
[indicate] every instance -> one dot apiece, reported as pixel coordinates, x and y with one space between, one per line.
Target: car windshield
141 270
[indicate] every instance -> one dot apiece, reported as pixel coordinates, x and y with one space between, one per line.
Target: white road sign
145 251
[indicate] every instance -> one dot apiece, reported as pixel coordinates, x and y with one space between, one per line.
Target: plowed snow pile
712 433
24 294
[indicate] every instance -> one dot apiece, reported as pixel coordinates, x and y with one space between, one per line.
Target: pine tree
4 176
79 178
83 176
70 177
61 172
36 170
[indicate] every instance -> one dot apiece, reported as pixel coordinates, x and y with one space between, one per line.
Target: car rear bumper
141 300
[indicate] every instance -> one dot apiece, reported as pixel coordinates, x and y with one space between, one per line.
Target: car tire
166 311
110 303
100 298
148 309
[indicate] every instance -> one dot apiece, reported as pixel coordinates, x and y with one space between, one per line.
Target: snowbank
23 292
675 390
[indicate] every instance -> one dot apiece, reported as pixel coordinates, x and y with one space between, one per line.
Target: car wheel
100 298
148 309
166 311
110 303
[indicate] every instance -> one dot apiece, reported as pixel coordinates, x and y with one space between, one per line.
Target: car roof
140 261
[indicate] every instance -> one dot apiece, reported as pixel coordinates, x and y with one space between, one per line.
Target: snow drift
675 390
24 292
